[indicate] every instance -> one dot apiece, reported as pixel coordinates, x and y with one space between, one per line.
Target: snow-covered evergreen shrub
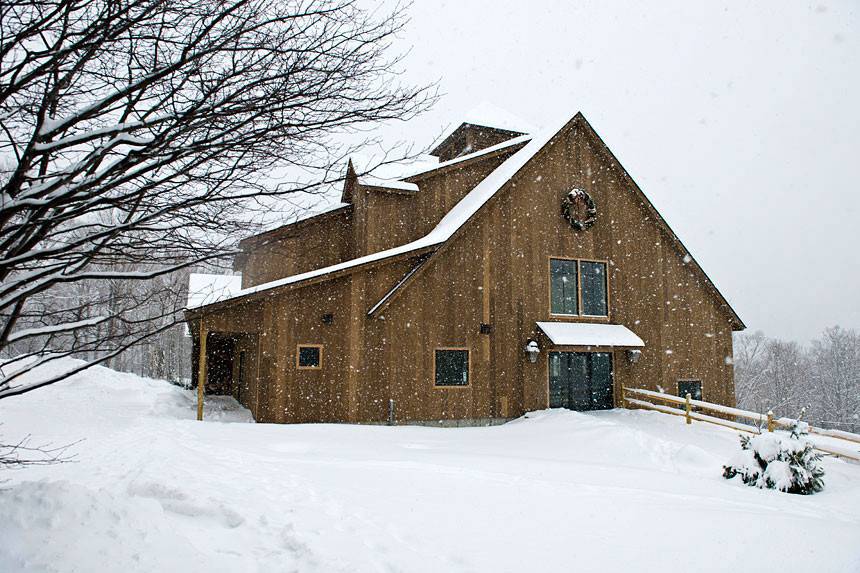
777 460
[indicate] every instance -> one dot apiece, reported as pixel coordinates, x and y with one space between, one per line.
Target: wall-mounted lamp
532 350
633 355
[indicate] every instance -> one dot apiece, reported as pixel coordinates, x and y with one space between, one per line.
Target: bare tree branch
138 136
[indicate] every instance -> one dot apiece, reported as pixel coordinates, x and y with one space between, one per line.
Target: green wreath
568 209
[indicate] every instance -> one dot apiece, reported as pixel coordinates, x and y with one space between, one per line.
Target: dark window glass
580 380
309 356
562 280
558 387
452 367
601 380
692 387
593 288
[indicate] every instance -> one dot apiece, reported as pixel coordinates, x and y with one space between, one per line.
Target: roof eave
191 313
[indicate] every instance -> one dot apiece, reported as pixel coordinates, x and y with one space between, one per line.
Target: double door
580 380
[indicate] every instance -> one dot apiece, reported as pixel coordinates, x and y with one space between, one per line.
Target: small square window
309 357
452 367
691 387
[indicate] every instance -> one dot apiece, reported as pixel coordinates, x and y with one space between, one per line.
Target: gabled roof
405 183
450 223
667 230
461 213
486 115
513 164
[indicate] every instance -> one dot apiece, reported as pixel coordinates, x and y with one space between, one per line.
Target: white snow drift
153 490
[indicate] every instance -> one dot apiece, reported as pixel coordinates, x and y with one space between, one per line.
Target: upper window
563 286
578 288
691 387
309 357
452 367
593 288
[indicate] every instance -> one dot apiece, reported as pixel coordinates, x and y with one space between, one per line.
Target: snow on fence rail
762 420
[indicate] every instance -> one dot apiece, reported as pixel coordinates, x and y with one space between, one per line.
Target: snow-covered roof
450 223
489 115
590 334
486 114
205 289
392 176
371 181
481 152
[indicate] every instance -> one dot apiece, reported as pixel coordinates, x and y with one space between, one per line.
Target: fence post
623 397
391 415
688 408
770 420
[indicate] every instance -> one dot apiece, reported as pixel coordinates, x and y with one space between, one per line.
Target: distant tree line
156 304
784 376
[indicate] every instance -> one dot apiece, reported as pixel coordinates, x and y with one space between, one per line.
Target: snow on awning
590 334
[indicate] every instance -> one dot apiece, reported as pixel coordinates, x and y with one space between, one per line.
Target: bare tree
786 377
835 359
749 369
771 374
137 135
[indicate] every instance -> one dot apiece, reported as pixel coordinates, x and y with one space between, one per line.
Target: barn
522 271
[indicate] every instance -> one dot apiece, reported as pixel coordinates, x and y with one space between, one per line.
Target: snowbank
154 490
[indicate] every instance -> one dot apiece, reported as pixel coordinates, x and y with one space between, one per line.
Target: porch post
201 369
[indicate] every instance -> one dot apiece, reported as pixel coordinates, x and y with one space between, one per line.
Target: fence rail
768 420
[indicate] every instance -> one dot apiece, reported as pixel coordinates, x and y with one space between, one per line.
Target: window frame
576 285
580 315
299 347
468 383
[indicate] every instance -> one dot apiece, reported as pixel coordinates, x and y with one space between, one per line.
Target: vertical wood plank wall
495 272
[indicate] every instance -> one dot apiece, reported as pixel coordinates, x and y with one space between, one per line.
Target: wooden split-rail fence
728 416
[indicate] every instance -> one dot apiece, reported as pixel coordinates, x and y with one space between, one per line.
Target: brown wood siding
494 271
327 242
690 337
379 220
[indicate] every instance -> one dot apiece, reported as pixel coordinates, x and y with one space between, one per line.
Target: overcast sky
740 121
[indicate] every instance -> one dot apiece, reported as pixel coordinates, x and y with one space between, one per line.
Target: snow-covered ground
153 490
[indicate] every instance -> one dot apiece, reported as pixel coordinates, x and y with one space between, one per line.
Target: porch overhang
588 334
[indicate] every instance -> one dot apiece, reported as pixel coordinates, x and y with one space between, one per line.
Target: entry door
580 380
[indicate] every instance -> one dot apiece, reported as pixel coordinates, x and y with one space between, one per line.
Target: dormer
482 127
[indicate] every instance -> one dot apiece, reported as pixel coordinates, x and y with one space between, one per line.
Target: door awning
590 334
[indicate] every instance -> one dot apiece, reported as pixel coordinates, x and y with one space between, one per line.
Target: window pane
452 367
563 297
693 387
601 380
558 380
309 357
593 288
